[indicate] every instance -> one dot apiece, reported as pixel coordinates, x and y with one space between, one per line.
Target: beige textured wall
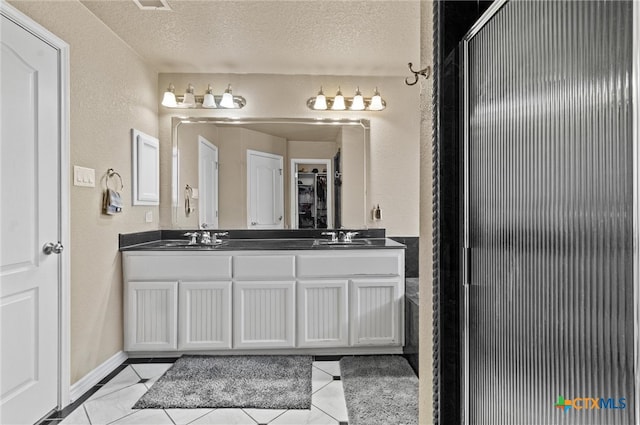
112 91
426 217
315 150
394 151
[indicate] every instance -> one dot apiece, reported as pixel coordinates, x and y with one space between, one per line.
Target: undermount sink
181 243
326 242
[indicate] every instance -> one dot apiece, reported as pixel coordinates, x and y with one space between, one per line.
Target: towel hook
111 173
426 73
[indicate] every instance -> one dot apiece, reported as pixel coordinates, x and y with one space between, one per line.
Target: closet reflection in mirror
269 173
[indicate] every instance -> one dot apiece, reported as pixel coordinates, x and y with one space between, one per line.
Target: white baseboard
96 375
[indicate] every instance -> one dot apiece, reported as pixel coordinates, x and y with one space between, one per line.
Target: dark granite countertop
265 245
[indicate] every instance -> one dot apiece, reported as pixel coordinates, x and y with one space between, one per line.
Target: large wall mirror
269 173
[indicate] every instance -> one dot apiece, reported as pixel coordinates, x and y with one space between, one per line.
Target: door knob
52 248
253 223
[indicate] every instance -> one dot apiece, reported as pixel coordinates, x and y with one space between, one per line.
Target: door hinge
217 165
280 169
216 213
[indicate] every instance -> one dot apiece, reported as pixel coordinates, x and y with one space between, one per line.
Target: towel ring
112 173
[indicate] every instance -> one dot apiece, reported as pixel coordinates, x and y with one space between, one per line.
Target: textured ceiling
274 37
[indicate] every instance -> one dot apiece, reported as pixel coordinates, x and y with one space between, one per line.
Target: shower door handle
466 260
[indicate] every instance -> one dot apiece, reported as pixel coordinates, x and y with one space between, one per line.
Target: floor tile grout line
248 414
320 389
122 417
331 416
135 371
271 421
200 417
109 393
86 413
169 416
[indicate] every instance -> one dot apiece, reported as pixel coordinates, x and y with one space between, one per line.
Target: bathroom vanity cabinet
289 301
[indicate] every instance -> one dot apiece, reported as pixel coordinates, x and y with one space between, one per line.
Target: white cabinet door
323 313
204 315
151 316
263 314
375 312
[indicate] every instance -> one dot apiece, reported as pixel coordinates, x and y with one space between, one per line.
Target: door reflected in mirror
269 173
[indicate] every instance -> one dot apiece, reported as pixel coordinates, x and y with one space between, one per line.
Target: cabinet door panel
205 315
263 314
323 313
151 316
375 312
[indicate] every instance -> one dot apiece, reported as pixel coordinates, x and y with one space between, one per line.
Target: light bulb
209 101
376 102
227 98
169 98
321 101
189 99
338 102
358 101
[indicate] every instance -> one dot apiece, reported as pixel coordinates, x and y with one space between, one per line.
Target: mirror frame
177 121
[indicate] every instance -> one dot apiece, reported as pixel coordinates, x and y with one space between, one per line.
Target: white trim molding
96 375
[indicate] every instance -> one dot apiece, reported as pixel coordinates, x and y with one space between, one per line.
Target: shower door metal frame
466 248
635 105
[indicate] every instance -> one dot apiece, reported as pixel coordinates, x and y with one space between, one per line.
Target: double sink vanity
285 291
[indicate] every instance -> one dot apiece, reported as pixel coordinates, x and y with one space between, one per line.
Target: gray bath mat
379 390
263 382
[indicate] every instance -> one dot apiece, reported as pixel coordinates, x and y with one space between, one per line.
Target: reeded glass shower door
549 215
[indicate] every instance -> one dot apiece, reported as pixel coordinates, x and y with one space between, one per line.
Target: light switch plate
148 217
84 176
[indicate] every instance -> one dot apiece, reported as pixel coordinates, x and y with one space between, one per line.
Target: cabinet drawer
178 267
251 267
347 264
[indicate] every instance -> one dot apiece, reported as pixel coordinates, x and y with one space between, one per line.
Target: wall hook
426 73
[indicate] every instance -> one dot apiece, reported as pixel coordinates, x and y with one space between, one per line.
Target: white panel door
208 182
375 312
152 315
265 209
323 318
263 314
204 315
30 218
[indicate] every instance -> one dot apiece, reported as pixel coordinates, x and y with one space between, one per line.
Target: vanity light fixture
227 98
169 98
189 99
320 101
341 103
377 104
338 102
207 101
358 101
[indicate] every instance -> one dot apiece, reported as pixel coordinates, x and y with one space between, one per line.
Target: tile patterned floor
111 403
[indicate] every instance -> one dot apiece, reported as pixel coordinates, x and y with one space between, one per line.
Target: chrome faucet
205 239
348 237
216 239
334 236
194 237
